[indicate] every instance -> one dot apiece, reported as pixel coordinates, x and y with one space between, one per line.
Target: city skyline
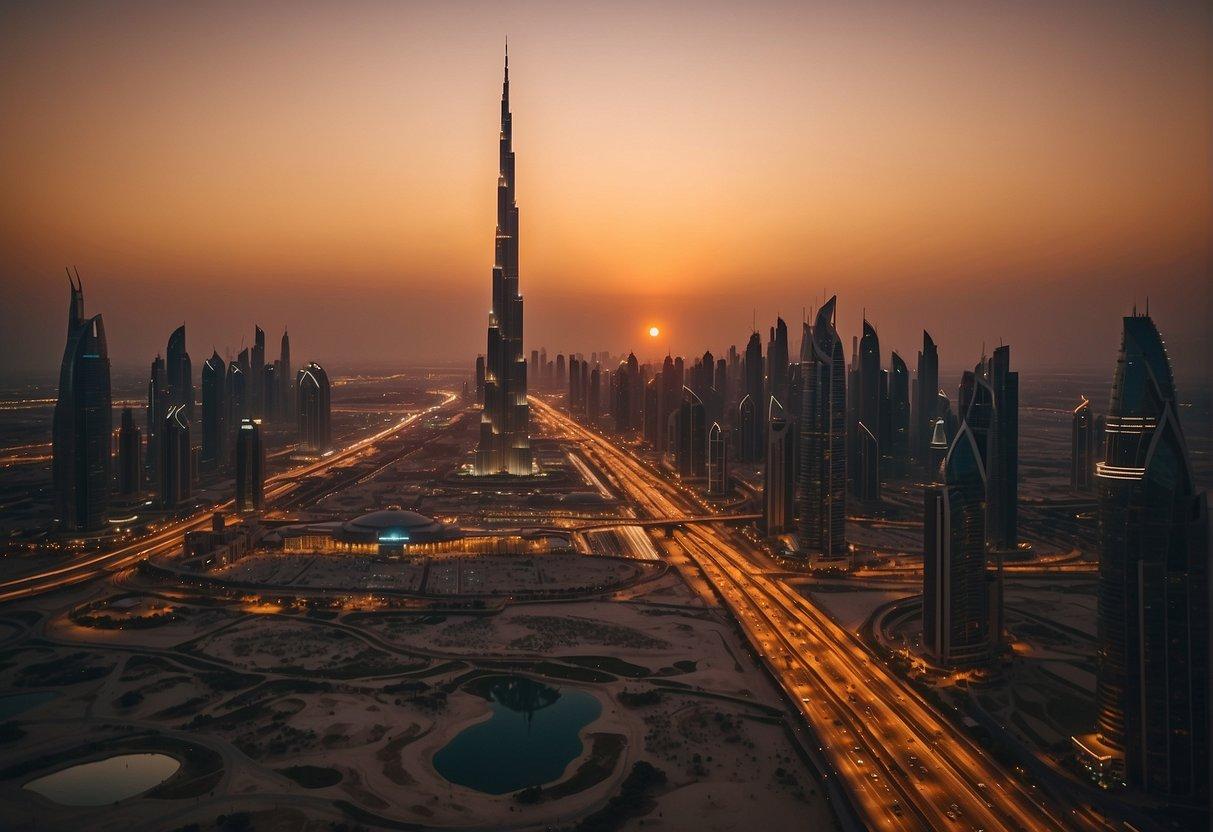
911 209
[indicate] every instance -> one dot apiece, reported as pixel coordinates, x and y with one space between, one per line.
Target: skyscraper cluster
172 451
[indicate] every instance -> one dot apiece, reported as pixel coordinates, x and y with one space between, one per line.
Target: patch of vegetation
72 669
610 664
312 777
632 801
639 699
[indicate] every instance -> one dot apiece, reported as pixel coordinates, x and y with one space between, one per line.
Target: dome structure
392 523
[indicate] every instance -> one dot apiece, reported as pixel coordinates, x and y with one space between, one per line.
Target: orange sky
987 170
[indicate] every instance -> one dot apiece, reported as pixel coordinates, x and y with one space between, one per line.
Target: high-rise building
175 467
179 372
690 442
1082 447
257 373
214 411
594 403
926 399
250 467
865 443
271 388
779 487
956 587
1003 530
823 442
286 399
899 414
157 409
718 460
1152 681
130 455
777 362
480 380
753 433
505 440
82 430
235 404
312 393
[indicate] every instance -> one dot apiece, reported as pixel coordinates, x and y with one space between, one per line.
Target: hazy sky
1021 171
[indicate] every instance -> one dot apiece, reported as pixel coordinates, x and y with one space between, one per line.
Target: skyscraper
753 431
286 399
214 430
179 372
312 393
777 362
1153 683
899 413
690 443
865 478
505 441
174 467
718 460
250 467
926 399
779 487
823 442
1003 531
1082 448
256 373
130 455
235 399
956 591
157 409
83 422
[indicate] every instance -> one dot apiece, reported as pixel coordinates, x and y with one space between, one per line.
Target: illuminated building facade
179 372
1153 683
865 440
250 467
176 480
823 442
753 430
505 441
83 422
313 393
214 427
779 485
402 533
956 588
1082 448
718 460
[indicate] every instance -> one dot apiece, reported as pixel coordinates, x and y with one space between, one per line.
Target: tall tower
823 442
779 486
956 615
286 398
214 431
82 422
312 393
179 372
865 478
1082 447
250 467
130 459
1152 682
505 440
926 400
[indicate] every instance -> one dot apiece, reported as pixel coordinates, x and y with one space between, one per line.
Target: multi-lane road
905 766
168 537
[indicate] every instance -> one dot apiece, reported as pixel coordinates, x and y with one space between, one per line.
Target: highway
169 537
904 765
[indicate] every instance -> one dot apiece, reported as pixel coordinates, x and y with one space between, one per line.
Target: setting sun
654 332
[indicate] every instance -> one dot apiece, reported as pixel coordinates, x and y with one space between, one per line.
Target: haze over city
984 170
606 417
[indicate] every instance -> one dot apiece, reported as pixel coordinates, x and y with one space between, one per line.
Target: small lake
105 781
19 703
530 738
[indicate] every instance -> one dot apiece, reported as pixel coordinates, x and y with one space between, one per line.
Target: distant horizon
964 167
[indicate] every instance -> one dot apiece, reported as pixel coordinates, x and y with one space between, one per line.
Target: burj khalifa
505 440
